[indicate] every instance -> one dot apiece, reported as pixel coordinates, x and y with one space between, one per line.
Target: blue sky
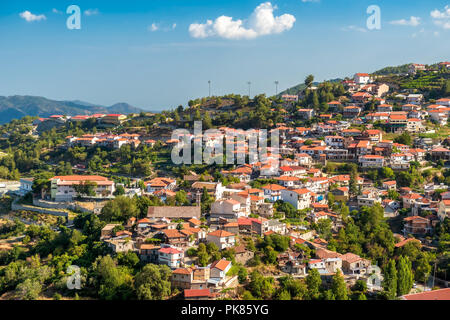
117 57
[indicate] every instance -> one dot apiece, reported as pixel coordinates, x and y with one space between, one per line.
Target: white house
170 256
219 269
26 186
415 99
362 78
299 198
272 192
63 187
371 161
222 239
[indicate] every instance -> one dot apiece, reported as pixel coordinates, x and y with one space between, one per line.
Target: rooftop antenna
276 87
209 84
249 88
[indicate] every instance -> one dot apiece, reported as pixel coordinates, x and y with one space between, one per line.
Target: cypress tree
390 280
405 276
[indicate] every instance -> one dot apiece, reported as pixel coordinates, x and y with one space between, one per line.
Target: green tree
260 286
86 188
339 287
353 183
30 289
114 283
404 138
207 122
362 296
390 280
242 275
405 276
284 295
309 80
387 173
120 191
153 282
120 209
313 283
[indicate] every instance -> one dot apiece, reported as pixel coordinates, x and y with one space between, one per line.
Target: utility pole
249 88
209 84
276 87
434 275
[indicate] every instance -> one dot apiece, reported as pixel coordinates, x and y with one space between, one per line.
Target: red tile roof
220 234
221 264
194 293
441 294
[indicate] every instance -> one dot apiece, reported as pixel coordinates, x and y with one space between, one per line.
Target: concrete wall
55 212
59 205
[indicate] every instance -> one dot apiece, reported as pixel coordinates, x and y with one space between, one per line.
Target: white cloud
413 22
445 14
443 24
153 27
56 11
354 28
261 22
91 12
441 18
157 27
29 17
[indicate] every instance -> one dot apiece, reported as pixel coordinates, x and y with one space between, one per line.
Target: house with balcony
354 264
384 108
444 209
334 141
170 256
158 184
222 239
415 99
351 111
414 67
371 161
390 185
228 209
299 198
66 188
287 181
414 125
410 198
304 159
398 122
440 153
417 225
272 192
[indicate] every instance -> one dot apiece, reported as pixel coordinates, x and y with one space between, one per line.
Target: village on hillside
353 204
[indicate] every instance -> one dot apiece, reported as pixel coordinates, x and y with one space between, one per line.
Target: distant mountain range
16 107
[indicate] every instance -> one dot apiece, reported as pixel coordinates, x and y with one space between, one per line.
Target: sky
158 54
